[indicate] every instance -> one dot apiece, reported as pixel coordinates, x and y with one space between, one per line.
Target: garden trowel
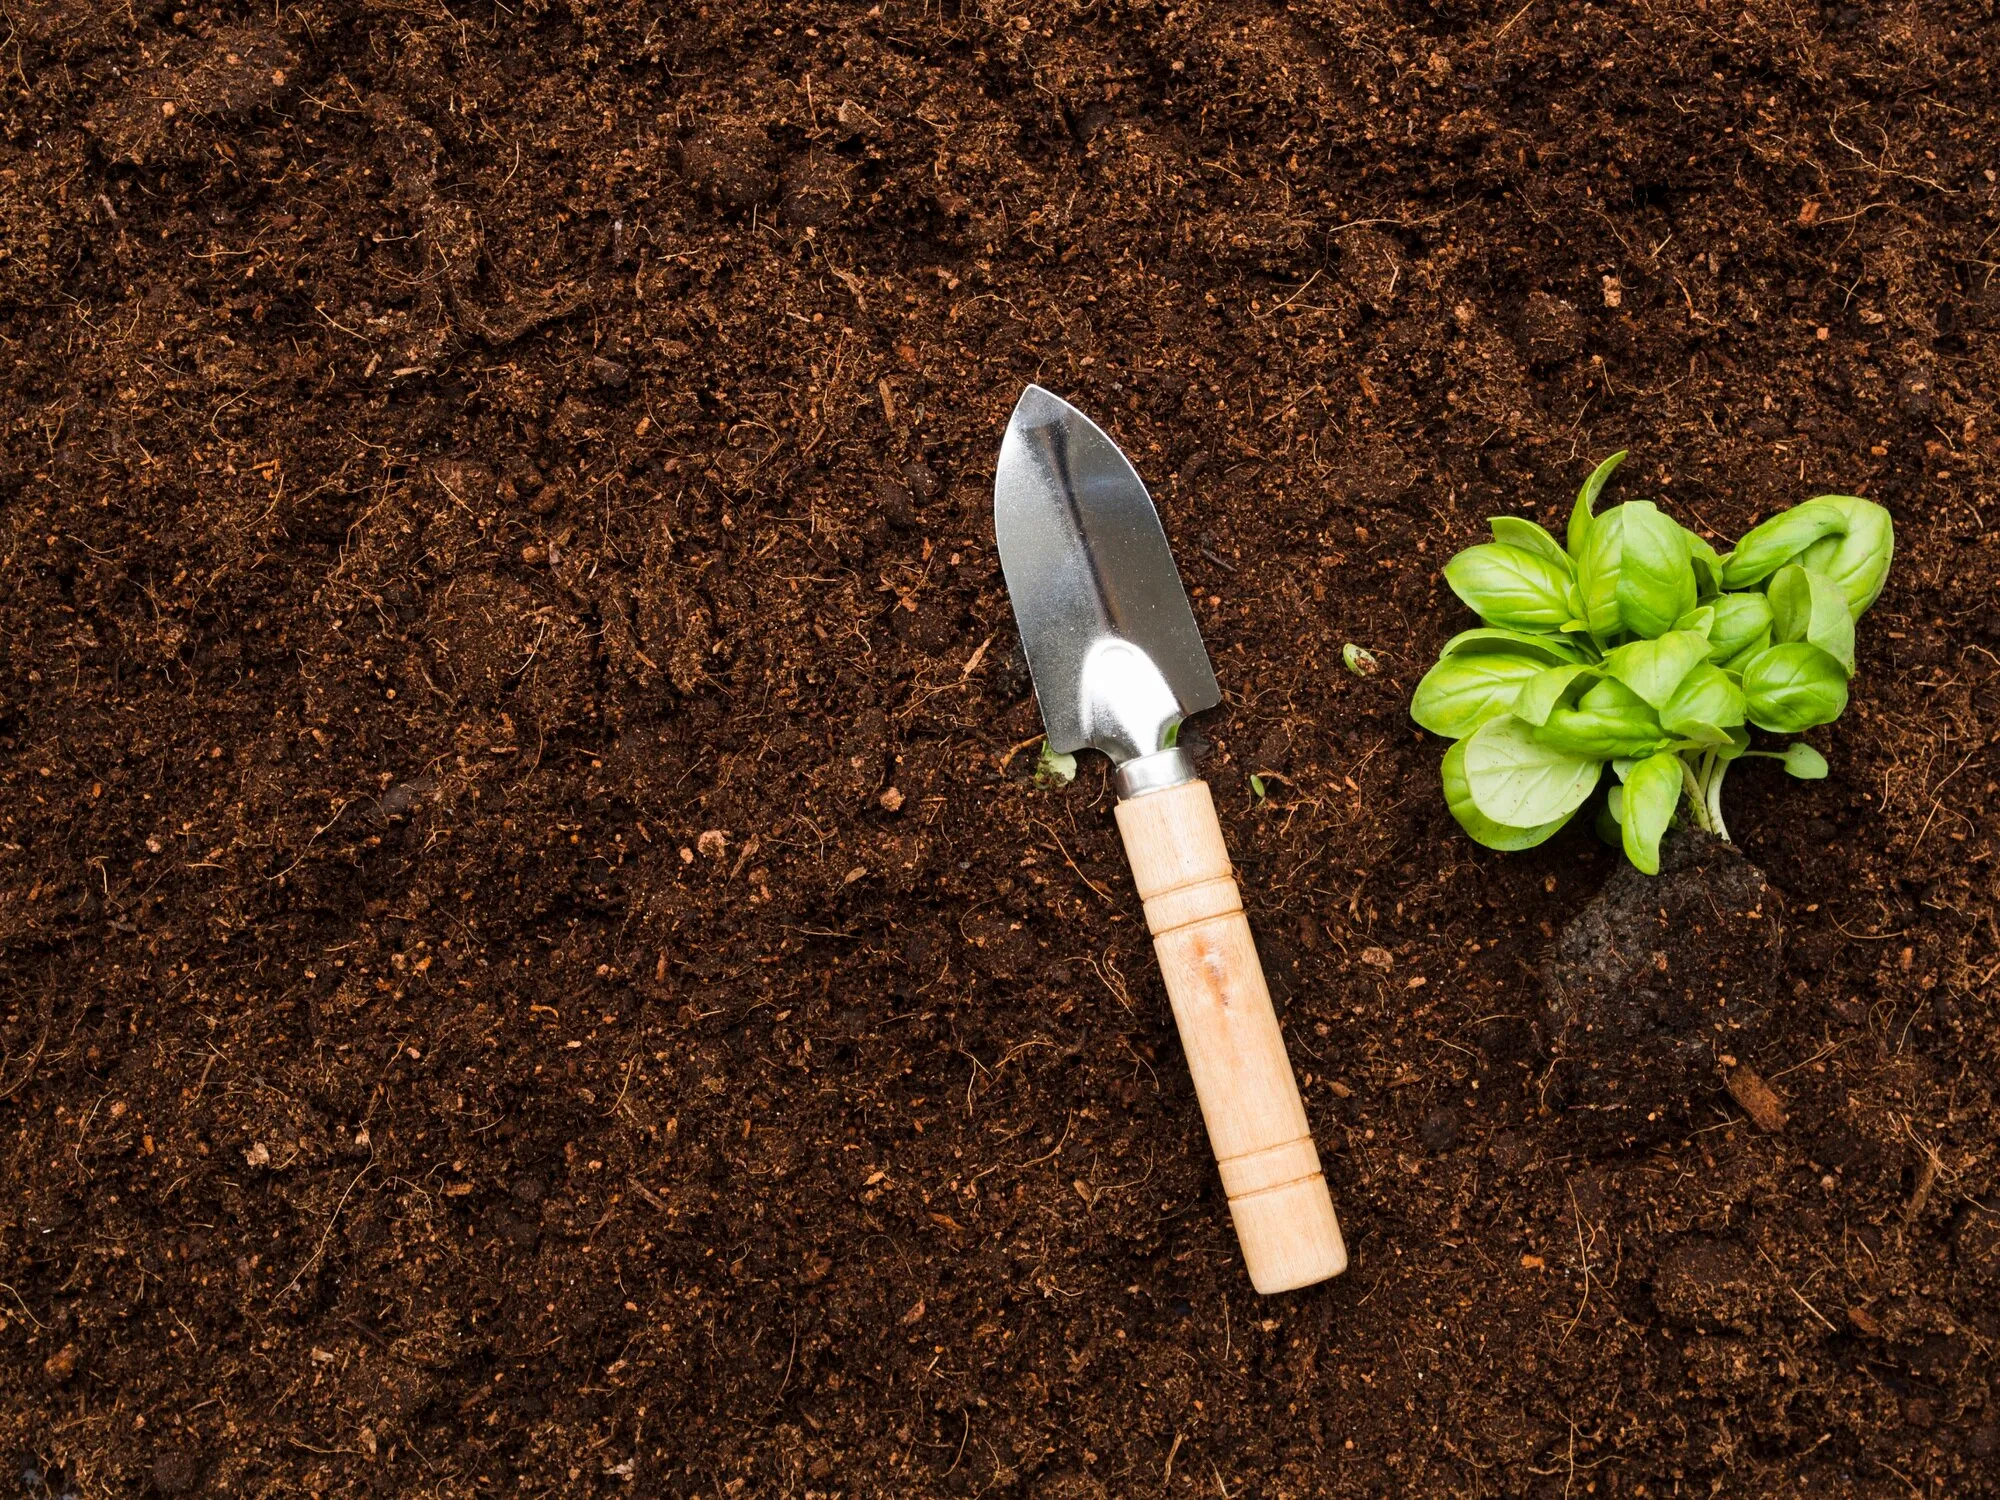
1118 662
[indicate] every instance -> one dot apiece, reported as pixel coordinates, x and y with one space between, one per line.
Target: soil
534 962
1655 987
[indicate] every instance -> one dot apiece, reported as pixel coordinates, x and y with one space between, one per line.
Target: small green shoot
1359 660
1257 787
1638 646
1053 770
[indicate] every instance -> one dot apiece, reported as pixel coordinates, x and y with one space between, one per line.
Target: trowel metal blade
1087 568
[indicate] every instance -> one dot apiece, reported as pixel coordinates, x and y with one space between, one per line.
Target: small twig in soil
20 1302
966 1415
326 1233
1069 1122
1508 25
1114 982
1583 1257
1095 889
1795 1291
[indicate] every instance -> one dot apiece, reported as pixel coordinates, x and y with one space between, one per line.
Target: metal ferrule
1153 773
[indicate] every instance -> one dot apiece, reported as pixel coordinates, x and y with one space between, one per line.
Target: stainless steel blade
1116 656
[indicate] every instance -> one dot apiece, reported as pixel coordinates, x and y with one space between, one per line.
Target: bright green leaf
1780 540
1458 797
1739 620
1793 686
1858 560
1507 587
1609 720
1634 575
1520 532
1749 653
1654 669
1739 742
1809 606
1652 792
1551 649
1541 693
1462 692
1516 780
1698 736
1706 700
1707 566
1804 762
1656 583
1597 574
1607 820
1586 500
1700 619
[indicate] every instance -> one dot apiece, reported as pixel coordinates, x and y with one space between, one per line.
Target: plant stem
1697 793
1715 824
1702 778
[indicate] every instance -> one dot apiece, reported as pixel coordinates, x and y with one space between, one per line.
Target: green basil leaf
1701 619
1552 649
1858 560
1508 587
1739 620
1458 797
1793 686
1652 792
1597 574
1809 606
1749 653
1739 742
1515 779
1610 720
1707 566
1607 819
1780 540
1699 736
1462 692
1804 762
1521 533
1704 706
1586 500
1542 692
1656 583
1654 669
1634 574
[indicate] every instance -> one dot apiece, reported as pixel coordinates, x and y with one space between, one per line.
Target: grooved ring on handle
1269 1169
1197 901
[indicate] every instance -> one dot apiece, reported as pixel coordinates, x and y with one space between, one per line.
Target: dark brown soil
530 958
1654 989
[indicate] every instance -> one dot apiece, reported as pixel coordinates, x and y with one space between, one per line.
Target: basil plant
1639 647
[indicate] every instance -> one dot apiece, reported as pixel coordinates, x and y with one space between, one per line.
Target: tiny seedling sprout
1054 770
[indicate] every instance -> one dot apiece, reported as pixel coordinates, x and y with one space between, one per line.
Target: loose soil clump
1656 989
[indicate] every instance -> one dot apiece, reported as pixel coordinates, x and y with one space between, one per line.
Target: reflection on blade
1088 569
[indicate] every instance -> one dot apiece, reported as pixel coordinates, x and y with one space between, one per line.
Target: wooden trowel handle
1249 1099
